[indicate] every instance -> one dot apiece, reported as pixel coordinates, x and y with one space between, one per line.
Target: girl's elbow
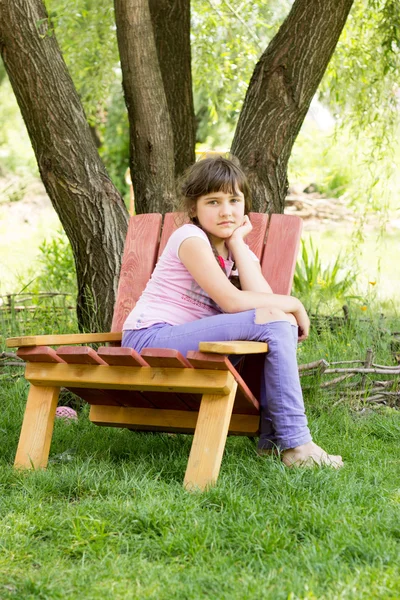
231 305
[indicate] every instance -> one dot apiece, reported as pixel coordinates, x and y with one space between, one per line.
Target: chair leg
37 428
209 440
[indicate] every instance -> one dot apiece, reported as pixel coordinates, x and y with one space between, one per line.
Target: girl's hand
240 232
303 322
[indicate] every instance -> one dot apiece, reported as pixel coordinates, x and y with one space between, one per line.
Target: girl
193 296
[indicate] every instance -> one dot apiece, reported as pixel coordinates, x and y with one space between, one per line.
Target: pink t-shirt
172 295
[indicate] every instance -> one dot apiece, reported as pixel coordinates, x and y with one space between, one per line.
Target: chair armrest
234 347
56 340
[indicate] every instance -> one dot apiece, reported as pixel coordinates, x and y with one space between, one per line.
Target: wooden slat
138 262
42 354
165 358
234 347
209 440
79 355
245 402
37 428
165 420
280 253
172 221
167 400
201 360
121 357
251 372
129 378
56 340
256 238
98 396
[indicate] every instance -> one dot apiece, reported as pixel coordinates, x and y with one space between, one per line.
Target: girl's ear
192 212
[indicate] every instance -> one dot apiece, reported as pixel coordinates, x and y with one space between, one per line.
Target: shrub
322 286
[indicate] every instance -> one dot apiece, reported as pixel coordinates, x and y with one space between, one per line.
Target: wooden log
388 368
367 364
364 370
321 365
335 381
12 355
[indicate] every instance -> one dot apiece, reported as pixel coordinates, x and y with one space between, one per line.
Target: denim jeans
283 420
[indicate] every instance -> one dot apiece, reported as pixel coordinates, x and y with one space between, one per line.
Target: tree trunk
279 95
89 206
171 25
151 137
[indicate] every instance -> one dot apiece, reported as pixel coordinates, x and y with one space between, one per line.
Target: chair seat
150 358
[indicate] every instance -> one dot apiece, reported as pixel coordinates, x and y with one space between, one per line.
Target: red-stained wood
167 400
79 355
172 221
256 238
138 261
245 402
280 253
121 357
165 357
201 360
39 354
97 396
251 372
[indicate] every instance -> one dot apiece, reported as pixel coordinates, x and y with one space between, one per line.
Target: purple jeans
283 420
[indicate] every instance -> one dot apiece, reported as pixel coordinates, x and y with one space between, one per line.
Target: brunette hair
214 174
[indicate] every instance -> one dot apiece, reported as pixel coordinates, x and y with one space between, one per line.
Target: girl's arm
250 275
199 260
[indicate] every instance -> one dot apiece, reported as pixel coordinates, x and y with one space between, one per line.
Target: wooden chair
159 390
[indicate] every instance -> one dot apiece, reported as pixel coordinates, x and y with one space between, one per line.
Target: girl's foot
310 455
267 451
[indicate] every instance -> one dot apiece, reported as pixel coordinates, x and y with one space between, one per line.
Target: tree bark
171 25
151 137
89 206
279 95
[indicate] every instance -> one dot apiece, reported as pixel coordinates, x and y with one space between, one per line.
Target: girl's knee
267 315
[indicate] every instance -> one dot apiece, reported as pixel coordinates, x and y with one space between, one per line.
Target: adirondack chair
158 390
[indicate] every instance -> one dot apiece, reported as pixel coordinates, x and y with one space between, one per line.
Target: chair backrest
276 246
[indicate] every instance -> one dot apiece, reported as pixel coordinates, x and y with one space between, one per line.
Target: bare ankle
309 455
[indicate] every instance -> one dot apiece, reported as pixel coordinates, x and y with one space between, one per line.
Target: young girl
191 298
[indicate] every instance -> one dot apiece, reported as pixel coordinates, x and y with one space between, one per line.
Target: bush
58 273
322 286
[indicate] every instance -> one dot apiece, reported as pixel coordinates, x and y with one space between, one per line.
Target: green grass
109 517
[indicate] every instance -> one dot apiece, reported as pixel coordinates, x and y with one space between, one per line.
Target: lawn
109 517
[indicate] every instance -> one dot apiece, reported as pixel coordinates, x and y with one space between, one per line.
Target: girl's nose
225 209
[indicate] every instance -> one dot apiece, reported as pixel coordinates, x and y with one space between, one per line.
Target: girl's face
220 213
